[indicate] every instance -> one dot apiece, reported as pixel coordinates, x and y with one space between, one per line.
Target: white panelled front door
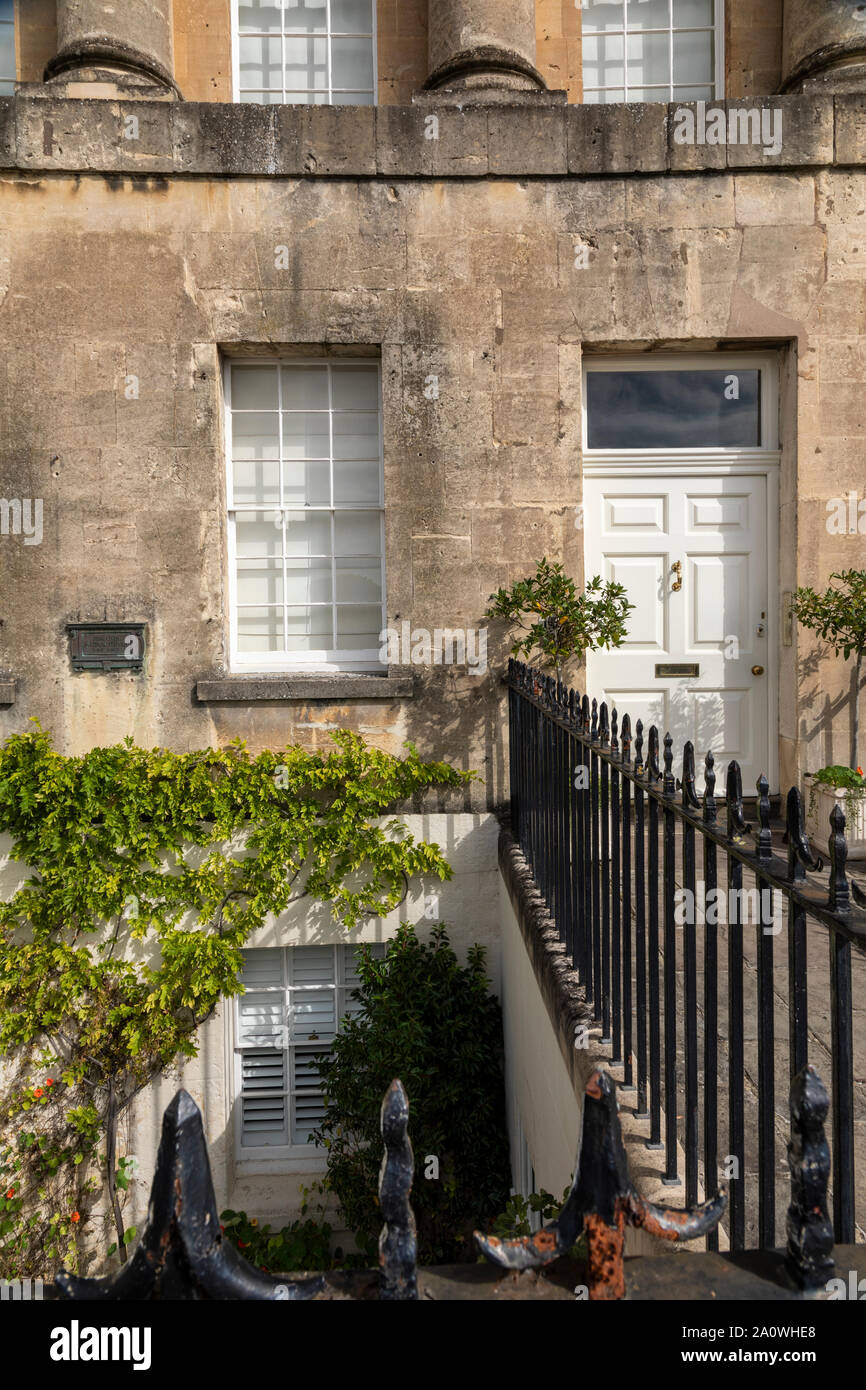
711 616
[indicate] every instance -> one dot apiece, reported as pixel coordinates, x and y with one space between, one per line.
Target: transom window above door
306 52
306 523
652 50
706 404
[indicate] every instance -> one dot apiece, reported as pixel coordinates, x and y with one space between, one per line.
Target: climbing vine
149 870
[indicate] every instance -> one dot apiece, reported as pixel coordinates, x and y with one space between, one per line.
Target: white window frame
327 35
718 28
321 660
287 1158
12 77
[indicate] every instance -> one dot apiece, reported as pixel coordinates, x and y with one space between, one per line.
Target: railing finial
710 810
737 825
669 786
809 1256
626 740
398 1242
840 898
764 847
652 762
689 795
800 856
638 749
602 1202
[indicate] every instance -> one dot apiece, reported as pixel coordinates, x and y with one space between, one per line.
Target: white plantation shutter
289 1015
262 1040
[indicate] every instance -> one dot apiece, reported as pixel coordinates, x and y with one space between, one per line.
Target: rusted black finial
594 726
398 1242
809 1257
689 795
737 825
182 1253
584 714
614 731
764 847
800 856
626 740
669 785
652 760
710 809
602 1202
840 899
638 749
572 708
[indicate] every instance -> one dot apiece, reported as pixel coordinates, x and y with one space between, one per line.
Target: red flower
38 1092
242 1244
222 1228
76 1216
50 1081
860 770
11 1193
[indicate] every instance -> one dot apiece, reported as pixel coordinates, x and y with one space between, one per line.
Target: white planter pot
853 807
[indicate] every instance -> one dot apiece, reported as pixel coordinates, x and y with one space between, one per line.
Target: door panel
715 526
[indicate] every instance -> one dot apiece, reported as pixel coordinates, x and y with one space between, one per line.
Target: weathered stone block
7 132
418 140
338 139
767 199
850 129
627 138
527 140
793 131
56 134
211 138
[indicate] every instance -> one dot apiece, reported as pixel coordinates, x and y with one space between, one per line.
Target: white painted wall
469 906
539 1092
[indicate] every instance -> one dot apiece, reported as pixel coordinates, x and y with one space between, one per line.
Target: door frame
760 462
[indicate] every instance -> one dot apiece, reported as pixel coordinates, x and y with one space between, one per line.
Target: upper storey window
7 48
652 50
310 52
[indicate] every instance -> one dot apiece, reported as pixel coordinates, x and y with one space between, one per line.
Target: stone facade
141 217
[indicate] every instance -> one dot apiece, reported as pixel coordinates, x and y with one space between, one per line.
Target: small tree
839 615
559 622
435 1025
122 942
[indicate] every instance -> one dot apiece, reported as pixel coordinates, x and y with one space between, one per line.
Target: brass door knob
677 569
757 670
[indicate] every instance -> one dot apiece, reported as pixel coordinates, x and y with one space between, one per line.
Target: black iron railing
611 836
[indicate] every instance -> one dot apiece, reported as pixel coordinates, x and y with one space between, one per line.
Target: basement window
305 52
653 50
7 48
294 1002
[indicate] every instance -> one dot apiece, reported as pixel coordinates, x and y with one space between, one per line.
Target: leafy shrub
434 1024
515 1222
303 1244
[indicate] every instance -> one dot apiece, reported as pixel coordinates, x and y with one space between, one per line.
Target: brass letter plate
688 669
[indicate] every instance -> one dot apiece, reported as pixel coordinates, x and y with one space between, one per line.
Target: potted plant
839 616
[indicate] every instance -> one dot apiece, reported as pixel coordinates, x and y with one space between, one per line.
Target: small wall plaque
684 669
107 646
